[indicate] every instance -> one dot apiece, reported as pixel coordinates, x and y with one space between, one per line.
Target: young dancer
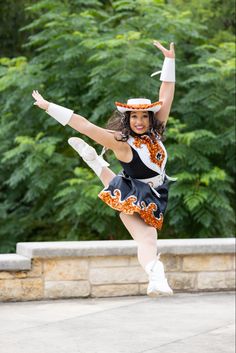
140 191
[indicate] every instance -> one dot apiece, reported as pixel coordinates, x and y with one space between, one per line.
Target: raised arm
79 123
167 89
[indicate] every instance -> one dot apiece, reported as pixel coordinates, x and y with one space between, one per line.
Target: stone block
108 261
66 289
115 290
77 248
133 261
14 262
7 275
115 275
123 247
65 269
233 262
211 262
171 262
143 288
216 280
21 289
36 271
181 281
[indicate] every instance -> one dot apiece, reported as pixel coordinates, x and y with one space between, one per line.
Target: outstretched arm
167 89
79 123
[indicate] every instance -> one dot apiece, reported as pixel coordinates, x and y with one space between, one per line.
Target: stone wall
50 270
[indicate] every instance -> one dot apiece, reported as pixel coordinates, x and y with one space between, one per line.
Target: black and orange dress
143 185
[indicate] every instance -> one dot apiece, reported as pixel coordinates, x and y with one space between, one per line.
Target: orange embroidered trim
153 147
138 106
128 207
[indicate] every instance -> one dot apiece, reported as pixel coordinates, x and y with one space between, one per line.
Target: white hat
138 104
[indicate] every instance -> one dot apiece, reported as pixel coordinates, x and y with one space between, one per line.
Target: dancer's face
139 121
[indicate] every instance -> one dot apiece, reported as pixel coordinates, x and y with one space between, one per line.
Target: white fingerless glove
61 114
168 70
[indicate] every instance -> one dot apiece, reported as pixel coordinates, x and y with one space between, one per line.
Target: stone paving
183 323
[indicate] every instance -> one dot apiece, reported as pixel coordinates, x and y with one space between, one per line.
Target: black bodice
136 168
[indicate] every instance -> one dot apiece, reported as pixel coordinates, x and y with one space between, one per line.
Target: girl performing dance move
140 191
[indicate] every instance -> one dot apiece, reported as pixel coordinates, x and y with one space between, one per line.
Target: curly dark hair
120 122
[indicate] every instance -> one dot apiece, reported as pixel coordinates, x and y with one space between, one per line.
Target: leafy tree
215 15
86 55
13 17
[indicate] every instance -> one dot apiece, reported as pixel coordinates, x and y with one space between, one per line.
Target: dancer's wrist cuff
168 70
61 114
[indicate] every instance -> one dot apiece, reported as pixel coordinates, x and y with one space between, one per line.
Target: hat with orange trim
138 104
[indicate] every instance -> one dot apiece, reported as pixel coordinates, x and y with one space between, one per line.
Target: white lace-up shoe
89 154
158 284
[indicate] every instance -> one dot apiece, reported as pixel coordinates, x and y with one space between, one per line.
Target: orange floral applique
157 154
128 207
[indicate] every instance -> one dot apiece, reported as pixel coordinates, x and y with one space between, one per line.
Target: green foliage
201 196
217 15
86 55
13 17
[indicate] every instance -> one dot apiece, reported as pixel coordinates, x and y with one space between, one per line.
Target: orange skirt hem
128 206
